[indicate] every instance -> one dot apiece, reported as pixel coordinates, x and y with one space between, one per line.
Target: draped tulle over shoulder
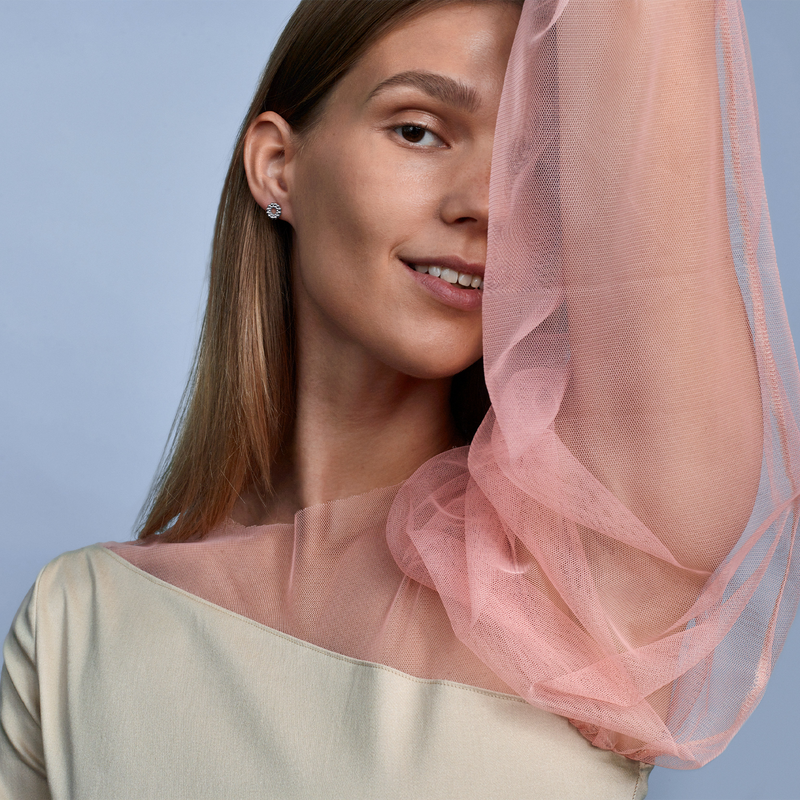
616 545
618 541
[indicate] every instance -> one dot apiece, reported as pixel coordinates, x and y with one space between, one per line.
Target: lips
451 280
451 269
465 279
447 262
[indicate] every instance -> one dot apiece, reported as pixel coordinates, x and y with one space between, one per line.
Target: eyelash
399 130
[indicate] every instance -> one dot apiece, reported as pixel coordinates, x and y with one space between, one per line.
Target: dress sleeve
618 541
22 768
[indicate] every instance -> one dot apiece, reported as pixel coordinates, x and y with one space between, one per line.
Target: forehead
469 42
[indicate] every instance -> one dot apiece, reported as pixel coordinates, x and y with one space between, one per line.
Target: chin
421 364
430 347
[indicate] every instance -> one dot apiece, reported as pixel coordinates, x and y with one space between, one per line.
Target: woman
643 493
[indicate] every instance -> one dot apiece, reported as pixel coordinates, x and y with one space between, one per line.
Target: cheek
359 208
362 198
341 239
342 210
351 219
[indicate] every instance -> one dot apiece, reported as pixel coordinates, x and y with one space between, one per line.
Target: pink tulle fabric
616 545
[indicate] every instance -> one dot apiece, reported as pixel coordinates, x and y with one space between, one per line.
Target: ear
269 149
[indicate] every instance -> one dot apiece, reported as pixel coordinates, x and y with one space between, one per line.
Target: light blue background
118 120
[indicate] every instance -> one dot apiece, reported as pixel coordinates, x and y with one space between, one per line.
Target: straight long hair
237 411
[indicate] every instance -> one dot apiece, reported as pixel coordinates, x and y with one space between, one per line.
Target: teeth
452 276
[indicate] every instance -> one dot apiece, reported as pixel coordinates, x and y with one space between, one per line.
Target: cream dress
117 685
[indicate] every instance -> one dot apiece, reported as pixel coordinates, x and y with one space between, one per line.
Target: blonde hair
237 410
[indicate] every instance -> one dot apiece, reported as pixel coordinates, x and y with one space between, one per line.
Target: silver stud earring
273 210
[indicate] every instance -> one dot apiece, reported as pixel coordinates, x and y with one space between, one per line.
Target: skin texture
376 349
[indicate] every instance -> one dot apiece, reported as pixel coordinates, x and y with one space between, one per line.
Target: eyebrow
435 85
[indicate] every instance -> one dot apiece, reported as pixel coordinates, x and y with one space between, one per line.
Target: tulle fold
652 629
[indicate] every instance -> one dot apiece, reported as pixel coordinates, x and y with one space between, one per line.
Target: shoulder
75 590
63 575
85 605
73 572
64 587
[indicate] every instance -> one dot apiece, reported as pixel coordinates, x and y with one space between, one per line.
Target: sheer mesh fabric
329 579
616 544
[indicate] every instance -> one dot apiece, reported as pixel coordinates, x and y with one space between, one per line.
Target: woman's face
395 175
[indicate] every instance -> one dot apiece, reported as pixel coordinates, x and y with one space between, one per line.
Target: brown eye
417 134
412 133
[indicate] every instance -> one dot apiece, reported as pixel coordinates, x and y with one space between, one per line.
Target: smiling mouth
464 279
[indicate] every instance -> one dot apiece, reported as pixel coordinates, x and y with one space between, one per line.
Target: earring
273 210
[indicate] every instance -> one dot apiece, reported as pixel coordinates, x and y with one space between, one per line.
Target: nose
466 197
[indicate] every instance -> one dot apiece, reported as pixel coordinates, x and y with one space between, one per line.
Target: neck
359 425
